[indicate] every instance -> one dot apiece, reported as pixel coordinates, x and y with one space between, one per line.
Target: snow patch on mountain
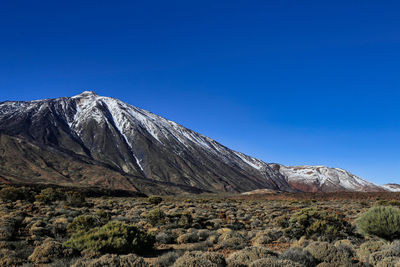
392 187
125 118
132 123
325 176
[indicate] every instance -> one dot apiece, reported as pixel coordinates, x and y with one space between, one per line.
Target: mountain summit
89 140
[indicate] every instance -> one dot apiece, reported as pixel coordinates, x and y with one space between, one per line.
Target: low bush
154 200
267 237
47 252
165 238
9 258
114 237
298 255
389 261
84 223
103 215
75 199
326 252
234 243
250 254
8 228
369 247
380 221
388 203
166 259
155 217
380 257
11 193
50 195
113 260
274 262
200 259
312 223
188 238
181 220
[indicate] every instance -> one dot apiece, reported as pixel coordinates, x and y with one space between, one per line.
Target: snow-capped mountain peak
322 178
140 143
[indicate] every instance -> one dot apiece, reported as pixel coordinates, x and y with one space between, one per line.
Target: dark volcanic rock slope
110 133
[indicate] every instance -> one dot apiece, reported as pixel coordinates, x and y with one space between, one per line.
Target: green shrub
181 220
103 215
282 221
75 199
155 200
114 237
84 223
388 203
380 221
49 195
156 217
11 193
311 222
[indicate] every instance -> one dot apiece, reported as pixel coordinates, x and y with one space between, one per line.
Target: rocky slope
134 142
94 140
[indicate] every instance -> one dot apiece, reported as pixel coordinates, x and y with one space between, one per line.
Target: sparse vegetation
155 200
86 229
11 193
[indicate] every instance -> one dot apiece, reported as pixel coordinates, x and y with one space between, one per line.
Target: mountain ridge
141 144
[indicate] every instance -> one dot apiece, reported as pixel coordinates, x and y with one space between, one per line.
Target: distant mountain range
91 140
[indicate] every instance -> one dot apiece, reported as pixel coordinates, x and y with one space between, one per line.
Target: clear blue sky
294 82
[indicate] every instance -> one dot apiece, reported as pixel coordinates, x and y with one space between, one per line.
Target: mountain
392 187
324 179
91 140
130 141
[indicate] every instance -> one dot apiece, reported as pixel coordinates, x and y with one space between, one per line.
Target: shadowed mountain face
134 142
90 140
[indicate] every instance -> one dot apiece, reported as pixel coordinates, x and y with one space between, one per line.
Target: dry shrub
326 252
48 251
298 255
274 262
199 259
250 254
113 260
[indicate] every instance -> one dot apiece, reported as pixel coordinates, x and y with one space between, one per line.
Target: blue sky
294 82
